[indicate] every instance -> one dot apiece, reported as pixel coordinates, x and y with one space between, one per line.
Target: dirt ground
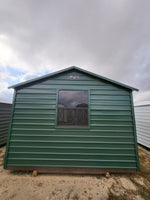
23 186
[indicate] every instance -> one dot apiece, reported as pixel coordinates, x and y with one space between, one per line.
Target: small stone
107 175
90 197
34 173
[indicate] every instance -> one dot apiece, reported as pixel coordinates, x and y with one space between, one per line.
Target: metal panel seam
134 130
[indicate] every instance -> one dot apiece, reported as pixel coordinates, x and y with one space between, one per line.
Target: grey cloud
111 38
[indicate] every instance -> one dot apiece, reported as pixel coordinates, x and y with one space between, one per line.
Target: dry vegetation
24 186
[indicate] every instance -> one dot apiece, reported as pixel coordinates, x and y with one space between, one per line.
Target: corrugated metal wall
142 114
108 142
5 110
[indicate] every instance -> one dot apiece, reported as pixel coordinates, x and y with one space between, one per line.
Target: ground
24 186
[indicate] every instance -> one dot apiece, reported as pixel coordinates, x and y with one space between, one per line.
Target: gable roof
68 69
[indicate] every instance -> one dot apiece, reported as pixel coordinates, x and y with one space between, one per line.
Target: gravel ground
23 186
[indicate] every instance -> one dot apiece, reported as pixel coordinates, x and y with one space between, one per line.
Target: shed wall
5 110
142 114
108 142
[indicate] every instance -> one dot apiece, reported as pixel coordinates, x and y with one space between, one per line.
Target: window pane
72 108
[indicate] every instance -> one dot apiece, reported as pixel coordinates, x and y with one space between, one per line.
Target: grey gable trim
70 68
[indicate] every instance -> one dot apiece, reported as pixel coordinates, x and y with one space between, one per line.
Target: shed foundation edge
71 170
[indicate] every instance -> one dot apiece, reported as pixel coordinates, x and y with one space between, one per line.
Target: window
72 108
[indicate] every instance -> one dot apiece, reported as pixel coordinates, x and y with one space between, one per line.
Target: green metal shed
5 109
72 121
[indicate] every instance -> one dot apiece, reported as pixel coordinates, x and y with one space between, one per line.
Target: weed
142 193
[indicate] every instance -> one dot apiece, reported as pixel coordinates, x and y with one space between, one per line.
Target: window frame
72 126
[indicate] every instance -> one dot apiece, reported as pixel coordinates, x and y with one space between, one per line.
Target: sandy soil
23 186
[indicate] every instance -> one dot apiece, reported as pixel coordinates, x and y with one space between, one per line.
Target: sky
107 37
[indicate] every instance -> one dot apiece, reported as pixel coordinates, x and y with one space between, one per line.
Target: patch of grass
142 193
98 177
144 162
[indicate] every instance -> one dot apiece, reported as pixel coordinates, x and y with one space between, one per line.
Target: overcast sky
108 37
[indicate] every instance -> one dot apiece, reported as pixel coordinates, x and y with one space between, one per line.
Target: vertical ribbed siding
142 115
5 110
108 142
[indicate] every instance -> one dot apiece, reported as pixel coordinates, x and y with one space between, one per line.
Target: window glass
72 108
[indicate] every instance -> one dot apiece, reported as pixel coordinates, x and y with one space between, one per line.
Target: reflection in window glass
72 108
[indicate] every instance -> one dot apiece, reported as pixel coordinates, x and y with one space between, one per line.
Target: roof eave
41 77
107 79
70 68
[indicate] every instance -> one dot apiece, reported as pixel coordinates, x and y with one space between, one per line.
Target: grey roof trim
70 68
143 105
5 103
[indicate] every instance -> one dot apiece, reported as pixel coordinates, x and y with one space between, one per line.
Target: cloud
111 38
4 92
142 98
10 77
27 76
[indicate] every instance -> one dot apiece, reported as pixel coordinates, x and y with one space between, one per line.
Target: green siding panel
74 150
5 110
108 141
